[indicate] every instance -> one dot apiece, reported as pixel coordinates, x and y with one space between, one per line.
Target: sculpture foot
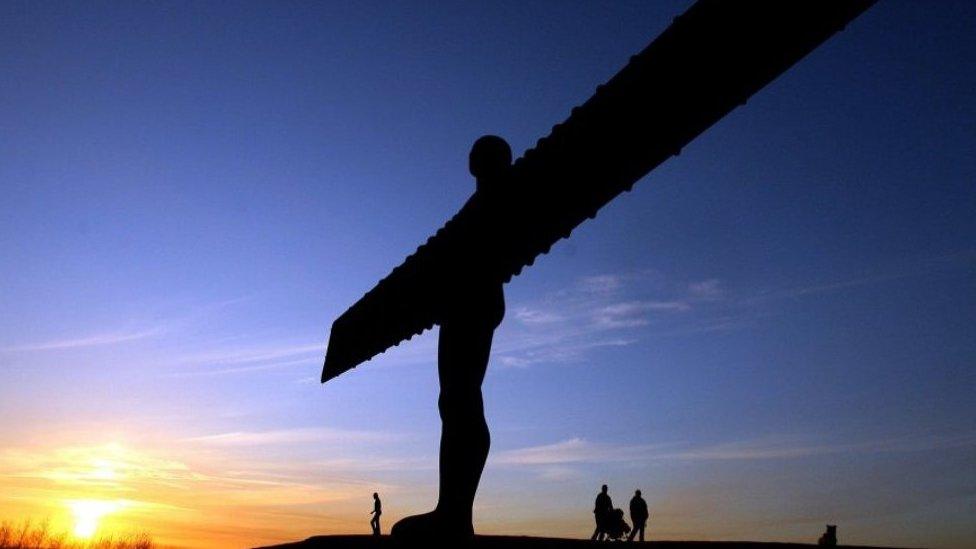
432 525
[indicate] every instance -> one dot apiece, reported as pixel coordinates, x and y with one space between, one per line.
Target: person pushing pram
610 523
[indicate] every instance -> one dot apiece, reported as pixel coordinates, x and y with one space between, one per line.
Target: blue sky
772 332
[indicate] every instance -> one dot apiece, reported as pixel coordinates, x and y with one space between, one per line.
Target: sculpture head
489 159
604 489
375 495
637 493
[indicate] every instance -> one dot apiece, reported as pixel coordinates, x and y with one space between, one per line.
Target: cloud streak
252 355
93 340
293 436
578 450
126 335
574 450
608 310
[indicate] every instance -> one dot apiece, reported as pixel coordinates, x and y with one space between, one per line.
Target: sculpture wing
710 60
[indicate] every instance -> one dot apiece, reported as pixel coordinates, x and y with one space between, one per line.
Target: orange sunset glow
115 490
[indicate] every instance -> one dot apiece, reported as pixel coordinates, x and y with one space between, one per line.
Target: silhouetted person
377 511
602 509
472 305
829 538
638 515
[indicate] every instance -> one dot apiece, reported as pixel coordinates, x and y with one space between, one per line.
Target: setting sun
88 513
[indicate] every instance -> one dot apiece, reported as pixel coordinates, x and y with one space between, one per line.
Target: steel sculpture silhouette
710 60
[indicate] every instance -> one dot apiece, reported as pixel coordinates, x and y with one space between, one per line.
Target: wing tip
328 373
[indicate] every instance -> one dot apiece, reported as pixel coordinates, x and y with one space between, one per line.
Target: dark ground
521 542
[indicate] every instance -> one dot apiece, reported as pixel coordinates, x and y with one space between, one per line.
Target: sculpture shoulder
474 299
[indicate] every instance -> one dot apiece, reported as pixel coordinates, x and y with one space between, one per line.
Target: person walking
377 511
638 515
602 509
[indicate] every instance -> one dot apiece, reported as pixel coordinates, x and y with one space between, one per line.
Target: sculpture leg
462 361
463 350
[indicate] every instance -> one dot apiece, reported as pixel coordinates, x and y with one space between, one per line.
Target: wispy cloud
526 315
102 466
604 283
254 354
166 325
618 309
706 289
596 312
209 372
93 340
920 267
293 436
229 360
578 450
574 450
828 287
530 353
379 464
630 314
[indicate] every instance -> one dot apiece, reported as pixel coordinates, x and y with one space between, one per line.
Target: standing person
638 515
377 511
601 512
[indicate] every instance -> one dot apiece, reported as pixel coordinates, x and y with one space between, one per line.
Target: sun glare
103 469
88 513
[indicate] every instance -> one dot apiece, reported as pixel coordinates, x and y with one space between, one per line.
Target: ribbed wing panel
709 61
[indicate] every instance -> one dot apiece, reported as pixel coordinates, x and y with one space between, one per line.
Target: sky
773 332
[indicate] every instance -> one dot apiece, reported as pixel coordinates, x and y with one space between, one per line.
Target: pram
616 528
